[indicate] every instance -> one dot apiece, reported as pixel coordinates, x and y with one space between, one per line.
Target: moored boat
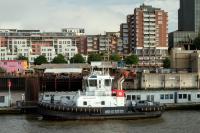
97 101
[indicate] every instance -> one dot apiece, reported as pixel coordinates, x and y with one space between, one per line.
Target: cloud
95 16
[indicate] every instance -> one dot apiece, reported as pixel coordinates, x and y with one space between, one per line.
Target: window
138 97
2 99
198 95
128 97
133 97
102 102
84 103
93 83
162 96
46 95
68 97
171 96
184 96
107 82
180 96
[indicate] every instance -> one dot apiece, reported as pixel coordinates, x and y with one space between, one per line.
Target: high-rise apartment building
125 37
148 35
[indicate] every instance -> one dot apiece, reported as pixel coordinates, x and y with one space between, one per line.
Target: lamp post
9 92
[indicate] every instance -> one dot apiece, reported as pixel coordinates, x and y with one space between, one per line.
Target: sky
96 16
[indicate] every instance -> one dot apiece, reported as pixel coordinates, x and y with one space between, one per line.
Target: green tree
78 58
132 59
166 63
59 59
94 57
40 60
115 57
196 42
21 57
2 70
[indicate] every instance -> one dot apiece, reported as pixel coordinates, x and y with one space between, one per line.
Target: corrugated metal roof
50 66
101 64
63 70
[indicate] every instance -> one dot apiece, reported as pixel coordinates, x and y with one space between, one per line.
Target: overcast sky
96 16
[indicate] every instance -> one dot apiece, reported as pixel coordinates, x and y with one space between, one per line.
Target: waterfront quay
179 90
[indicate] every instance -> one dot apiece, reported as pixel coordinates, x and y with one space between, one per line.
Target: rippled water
170 122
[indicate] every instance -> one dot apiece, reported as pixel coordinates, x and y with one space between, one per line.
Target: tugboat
97 101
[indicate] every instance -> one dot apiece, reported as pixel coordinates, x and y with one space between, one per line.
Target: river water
170 122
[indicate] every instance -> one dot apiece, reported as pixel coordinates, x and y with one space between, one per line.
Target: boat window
114 94
84 103
162 96
46 95
93 83
107 82
133 97
198 95
128 97
2 99
68 97
102 102
138 97
93 76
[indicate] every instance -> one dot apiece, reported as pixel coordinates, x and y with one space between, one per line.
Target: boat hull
58 112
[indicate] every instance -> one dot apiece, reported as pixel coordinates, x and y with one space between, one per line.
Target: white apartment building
31 58
24 51
13 45
3 53
48 52
66 48
5 56
33 43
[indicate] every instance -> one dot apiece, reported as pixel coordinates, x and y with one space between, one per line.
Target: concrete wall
169 81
